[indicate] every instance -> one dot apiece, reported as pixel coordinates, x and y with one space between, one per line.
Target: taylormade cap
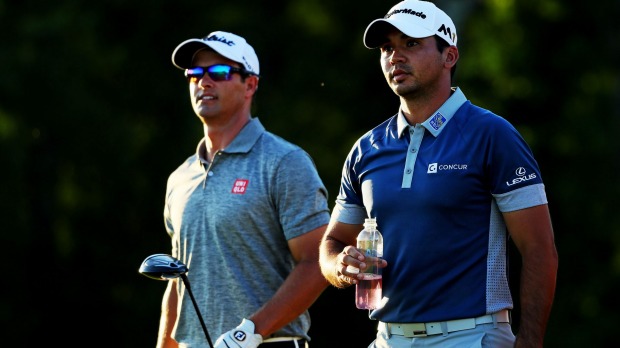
413 18
229 45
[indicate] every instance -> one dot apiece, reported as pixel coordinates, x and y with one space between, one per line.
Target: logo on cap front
220 39
406 11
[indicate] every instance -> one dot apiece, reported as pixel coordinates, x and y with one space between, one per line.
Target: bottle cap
370 222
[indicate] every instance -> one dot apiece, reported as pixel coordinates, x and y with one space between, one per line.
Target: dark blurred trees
93 117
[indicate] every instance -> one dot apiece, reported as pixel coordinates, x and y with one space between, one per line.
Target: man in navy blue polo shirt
449 183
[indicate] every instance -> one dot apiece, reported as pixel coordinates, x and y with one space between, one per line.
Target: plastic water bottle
368 291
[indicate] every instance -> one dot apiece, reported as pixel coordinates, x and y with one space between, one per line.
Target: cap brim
377 31
184 53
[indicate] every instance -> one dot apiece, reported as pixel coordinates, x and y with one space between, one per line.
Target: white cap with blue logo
229 45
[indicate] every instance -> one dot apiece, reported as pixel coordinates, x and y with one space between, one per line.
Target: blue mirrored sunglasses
218 72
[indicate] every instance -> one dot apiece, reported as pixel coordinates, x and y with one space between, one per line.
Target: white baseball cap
229 45
413 18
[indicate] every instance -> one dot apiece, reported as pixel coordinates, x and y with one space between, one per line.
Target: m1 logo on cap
240 186
447 32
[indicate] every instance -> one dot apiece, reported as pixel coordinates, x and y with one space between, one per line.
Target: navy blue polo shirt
437 190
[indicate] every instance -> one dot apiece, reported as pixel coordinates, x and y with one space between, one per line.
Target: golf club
166 267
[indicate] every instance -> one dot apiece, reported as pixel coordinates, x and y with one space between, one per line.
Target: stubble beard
406 91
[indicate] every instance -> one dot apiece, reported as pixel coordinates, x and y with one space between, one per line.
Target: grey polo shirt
230 221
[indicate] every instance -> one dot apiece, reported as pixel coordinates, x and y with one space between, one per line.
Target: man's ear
251 84
452 56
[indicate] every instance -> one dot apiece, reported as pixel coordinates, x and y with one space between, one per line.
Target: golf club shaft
204 327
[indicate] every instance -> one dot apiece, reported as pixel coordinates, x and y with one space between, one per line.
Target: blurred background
93 118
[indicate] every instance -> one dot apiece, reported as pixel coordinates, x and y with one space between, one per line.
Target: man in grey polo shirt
245 213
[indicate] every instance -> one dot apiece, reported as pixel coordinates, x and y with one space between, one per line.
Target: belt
435 328
284 342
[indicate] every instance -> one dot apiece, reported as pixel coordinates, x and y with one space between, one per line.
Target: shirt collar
435 123
242 143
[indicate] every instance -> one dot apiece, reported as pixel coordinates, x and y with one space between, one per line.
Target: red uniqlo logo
240 186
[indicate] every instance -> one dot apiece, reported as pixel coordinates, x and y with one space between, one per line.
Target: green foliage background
93 118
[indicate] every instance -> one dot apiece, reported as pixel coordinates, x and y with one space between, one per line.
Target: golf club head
162 267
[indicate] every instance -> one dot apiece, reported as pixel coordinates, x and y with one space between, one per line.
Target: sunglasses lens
219 72
195 73
216 72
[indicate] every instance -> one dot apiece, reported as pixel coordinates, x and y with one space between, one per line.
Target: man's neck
218 135
419 108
